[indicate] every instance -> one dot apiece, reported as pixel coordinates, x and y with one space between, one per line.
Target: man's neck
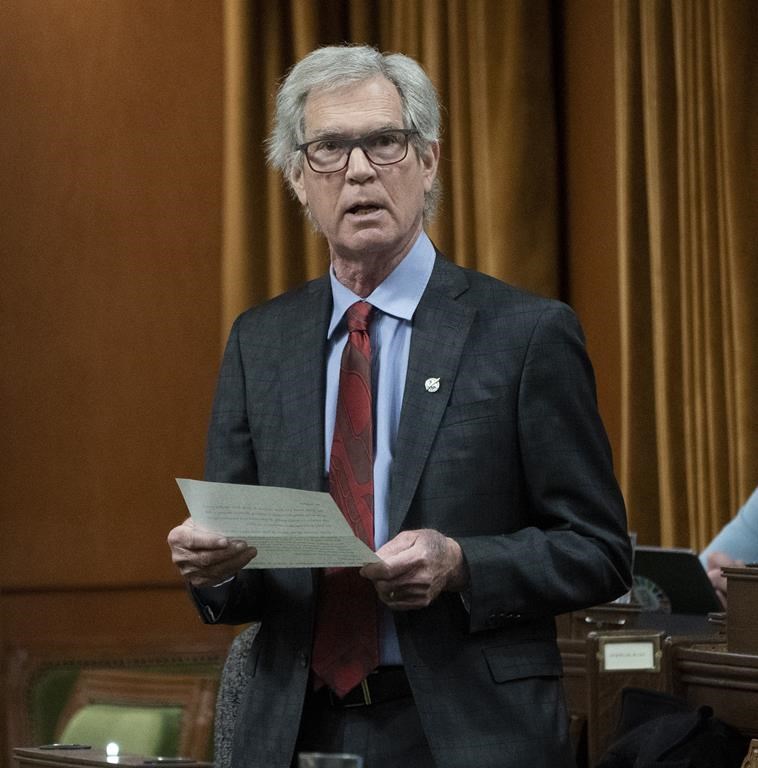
362 273
362 277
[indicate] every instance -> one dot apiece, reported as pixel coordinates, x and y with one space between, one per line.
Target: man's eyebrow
327 134
330 133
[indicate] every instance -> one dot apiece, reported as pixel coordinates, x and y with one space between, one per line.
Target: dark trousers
386 735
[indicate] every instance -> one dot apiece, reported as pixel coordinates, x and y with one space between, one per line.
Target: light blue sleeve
739 537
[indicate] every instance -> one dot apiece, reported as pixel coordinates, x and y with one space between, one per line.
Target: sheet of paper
289 528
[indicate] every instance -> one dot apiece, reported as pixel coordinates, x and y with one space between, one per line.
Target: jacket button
304 661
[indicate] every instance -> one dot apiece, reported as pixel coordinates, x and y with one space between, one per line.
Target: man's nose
359 168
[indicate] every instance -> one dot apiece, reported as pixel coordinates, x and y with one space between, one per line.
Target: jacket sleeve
574 550
230 459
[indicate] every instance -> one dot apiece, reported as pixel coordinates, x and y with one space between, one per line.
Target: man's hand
714 563
416 566
204 558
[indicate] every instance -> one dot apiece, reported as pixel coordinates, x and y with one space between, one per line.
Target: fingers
191 536
204 558
718 581
416 566
210 567
405 597
719 585
398 547
715 562
397 560
721 560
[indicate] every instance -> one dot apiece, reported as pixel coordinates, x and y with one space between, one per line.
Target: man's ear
298 184
430 158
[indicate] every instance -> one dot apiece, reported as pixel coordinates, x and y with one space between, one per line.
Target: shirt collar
398 294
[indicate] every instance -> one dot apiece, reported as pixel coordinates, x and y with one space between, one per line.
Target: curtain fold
492 64
689 272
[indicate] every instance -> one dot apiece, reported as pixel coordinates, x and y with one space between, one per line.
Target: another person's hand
416 566
714 563
204 558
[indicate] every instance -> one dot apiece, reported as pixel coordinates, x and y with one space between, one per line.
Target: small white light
111 749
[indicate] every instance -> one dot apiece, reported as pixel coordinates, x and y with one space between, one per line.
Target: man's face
364 209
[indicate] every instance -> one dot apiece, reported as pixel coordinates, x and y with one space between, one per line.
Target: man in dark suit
490 488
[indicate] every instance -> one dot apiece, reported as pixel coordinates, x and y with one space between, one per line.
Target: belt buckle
366 696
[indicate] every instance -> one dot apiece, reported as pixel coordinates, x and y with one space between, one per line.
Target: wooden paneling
710 675
100 614
110 150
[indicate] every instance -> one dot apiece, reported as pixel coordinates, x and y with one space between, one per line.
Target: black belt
383 684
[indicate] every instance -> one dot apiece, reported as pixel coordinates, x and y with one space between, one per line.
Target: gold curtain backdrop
686 112
686 124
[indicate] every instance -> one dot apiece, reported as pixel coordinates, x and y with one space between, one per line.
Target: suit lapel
440 327
304 382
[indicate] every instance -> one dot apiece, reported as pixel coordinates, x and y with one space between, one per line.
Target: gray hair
335 66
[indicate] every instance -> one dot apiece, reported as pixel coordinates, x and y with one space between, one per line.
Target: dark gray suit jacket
509 457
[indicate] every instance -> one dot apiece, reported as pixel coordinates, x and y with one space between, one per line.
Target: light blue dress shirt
395 301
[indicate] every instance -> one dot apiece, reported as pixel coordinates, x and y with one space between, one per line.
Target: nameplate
629 655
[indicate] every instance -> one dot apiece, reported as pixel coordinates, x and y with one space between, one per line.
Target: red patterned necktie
345 645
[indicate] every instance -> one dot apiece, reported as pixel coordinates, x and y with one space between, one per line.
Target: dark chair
235 678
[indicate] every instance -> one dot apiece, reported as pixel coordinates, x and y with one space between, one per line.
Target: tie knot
358 316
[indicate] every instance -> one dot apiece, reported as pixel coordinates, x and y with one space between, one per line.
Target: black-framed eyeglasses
330 154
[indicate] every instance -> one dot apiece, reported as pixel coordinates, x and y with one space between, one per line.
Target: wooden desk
573 629
593 697
706 673
34 757
741 618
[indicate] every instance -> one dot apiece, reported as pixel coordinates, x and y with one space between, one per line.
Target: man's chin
369 241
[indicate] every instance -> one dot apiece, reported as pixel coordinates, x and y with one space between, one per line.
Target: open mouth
363 210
